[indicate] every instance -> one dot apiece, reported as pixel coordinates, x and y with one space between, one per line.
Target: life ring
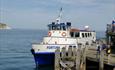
63 34
49 33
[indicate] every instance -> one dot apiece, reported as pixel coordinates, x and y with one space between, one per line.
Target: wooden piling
74 52
78 58
84 59
71 59
69 51
101 60
63 53
57 59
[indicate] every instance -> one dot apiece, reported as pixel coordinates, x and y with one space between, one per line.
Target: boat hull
43 58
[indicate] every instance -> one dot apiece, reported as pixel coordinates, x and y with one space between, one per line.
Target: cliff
4 26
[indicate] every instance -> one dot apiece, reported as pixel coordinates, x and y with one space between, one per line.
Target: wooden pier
75 58
72 59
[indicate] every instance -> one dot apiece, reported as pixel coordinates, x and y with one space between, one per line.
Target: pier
98 56
80 58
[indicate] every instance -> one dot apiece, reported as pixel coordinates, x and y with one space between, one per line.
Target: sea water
15 48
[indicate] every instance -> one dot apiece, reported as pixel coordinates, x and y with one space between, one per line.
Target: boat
60 35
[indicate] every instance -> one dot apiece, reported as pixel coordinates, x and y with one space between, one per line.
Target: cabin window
58 28
72 34
82 34
64 28
50 28
77 34
85 34
88 35
53 27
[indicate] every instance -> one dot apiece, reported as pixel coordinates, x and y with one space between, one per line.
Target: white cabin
63 34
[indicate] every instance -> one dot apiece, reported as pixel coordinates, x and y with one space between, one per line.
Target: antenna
59 17
60 14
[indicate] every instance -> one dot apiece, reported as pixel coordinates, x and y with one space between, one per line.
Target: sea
15 45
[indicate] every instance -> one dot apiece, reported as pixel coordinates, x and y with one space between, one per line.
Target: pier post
83 62
78 57
57 59
74 52
101 60
85 53
69 52
63 53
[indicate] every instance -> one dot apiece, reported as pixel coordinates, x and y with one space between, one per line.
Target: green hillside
2 25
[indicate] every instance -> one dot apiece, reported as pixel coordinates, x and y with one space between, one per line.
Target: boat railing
51 44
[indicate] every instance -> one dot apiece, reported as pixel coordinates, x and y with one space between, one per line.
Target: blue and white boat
60 35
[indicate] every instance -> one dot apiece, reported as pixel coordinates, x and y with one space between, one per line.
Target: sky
37 14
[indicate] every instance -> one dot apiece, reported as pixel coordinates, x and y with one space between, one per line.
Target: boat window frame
53 27
50 28
77 33
58 27
64 28
83 35
72 34
86 35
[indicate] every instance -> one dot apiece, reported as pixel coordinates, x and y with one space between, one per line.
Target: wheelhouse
61 26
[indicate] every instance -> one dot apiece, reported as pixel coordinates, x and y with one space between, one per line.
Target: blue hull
44 58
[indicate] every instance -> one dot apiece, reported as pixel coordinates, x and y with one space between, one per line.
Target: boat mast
59 17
